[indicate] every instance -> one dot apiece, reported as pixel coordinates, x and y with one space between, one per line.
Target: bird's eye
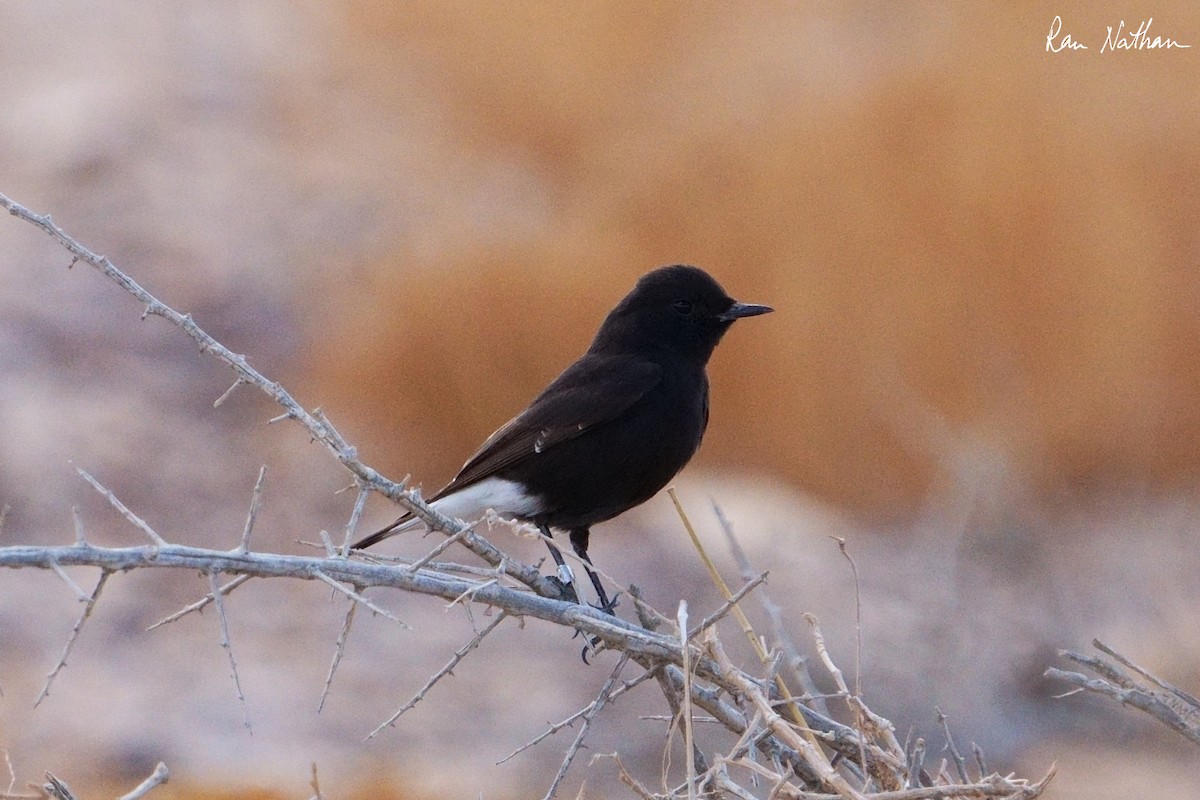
683 308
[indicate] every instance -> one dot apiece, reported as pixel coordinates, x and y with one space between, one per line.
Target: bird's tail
399 526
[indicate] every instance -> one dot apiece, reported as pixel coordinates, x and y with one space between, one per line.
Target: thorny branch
1127 683
690 665
458 656
316 423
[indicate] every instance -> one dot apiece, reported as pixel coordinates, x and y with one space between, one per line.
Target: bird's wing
590 392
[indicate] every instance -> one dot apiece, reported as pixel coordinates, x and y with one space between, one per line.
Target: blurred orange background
971 242
985 264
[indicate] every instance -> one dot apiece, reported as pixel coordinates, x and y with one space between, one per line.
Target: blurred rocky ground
983 372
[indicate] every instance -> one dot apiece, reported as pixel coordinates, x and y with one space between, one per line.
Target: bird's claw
608 608
591 646
566 590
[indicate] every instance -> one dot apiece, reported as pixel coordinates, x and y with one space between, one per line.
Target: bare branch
816 760
316 783
618 633
57 789
137 521
358 598
727 606
1134 687
689 741
317 424
1159 682
593 708
960 763
360 503
558 726
80 593
226 645
203 602
441 548
796 662
441 673
225 395
255 505
994 786
62 660
338 650
627 779
157 778
80 537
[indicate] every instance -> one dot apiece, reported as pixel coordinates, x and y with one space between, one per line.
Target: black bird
610 431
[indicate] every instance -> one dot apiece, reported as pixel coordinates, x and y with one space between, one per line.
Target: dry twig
226 645
1131 685
87 612
587 716
441 673
338 650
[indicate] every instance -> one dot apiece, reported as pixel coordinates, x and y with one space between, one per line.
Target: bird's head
678 309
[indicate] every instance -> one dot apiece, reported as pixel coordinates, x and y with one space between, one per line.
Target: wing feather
592 391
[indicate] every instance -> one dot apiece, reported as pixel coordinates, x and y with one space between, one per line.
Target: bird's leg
579 541
565 578
566 582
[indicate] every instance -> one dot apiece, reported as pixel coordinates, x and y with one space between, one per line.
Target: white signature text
1118 38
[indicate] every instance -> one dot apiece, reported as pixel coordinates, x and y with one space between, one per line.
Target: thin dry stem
12 773
62 660
796 662
358 598
134 519
227 646
755 640
441 673
790 736
202 603
225 395
57 789
717 580
360 503
841 543
627 779
593 709
558 726
79 592
338 651
316 783
689 739
80 536
960 763
252 515
157 778
1134 687
439 549
727 606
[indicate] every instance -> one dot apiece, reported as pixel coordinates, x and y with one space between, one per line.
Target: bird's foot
566 589
608 606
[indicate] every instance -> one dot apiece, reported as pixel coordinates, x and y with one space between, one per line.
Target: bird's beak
739 310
